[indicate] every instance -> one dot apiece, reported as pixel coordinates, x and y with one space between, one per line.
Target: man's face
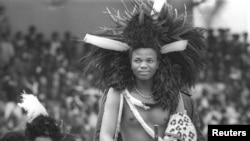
144 63
43 139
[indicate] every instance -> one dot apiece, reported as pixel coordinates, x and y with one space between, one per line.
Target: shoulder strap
180 107
139 118
119 118
186 93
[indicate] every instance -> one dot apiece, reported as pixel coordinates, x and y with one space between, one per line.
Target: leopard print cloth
181 128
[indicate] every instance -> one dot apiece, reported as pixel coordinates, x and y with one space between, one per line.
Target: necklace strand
144 96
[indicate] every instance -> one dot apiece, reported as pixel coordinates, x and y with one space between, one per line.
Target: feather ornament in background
32 105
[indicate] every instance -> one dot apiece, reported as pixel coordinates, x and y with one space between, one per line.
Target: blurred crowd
223 91
50 69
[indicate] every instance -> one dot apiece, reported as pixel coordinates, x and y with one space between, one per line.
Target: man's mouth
144 72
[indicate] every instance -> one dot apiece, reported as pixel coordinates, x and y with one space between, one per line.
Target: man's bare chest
151 117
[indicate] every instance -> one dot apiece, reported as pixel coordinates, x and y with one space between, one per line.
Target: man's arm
99 118
107 116
110 115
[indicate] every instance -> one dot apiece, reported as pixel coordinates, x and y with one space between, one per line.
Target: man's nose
143 65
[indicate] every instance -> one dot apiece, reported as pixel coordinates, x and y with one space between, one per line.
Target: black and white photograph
124 70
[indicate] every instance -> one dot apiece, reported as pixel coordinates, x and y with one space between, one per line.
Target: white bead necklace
144 96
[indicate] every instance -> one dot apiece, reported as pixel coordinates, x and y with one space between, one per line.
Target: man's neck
145 86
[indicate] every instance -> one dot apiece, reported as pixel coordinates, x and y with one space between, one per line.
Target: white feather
32 105
106 43
175 46
158 4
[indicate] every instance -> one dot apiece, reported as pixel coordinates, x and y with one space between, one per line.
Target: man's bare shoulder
113 96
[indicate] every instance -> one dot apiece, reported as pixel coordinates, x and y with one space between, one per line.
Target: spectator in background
4 22
68 46
40 45
245 42
13 136
223 41
213 54
30 37
40 126
7 51
55 43
54 46
19 44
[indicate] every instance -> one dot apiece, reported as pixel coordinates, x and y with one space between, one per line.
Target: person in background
40 126
13 136
4 22
30 37
7 51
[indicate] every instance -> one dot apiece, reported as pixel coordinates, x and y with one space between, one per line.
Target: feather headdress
150 24
32 106
39 124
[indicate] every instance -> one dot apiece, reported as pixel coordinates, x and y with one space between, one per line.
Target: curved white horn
175 46
106 43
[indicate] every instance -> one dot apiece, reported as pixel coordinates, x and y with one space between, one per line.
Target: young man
145 63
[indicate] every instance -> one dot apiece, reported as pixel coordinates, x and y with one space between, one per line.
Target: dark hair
43 126
13 136
68 137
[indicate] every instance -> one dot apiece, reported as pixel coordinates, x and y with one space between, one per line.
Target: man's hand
172 137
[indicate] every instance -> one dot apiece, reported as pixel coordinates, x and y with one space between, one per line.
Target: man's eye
137 61
150 61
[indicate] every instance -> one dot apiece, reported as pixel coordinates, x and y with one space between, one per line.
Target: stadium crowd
222 93
50 69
